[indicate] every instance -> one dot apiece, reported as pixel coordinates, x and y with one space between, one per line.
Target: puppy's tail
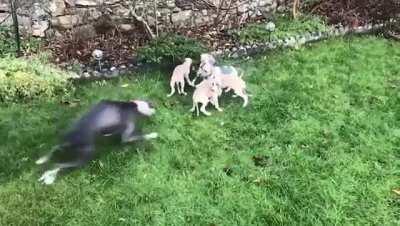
241 72
246 91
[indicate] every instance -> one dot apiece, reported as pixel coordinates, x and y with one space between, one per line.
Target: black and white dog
104 119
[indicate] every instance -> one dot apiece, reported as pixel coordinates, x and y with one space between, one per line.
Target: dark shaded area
118 46
356 12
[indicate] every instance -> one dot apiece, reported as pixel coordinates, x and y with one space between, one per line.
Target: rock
97 74
39 28
181 17
84 32
6 18
243 8
4 6
70 2
111 2
57 7
87 2
86 74
126 27
65 22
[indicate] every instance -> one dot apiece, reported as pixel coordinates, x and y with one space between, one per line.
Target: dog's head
188 60
206 58
144 107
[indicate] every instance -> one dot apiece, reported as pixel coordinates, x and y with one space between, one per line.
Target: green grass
8 46
285 27
318 145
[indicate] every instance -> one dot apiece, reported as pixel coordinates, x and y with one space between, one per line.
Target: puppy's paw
220 109
48 177
151 136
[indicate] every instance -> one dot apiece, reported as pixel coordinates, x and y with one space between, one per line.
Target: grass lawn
318 145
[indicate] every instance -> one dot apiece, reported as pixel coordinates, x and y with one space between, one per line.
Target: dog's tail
246 91
241 72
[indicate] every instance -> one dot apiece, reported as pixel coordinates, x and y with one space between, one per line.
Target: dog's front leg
214 101
191 83
130 134
137 137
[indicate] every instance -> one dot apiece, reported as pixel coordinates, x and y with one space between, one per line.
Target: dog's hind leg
172 89
49 176
244 96
193 107
203 109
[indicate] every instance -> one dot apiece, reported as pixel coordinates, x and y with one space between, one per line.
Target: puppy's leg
172 85
182 83
193 107
188 80
214 101
194 80
50 176
244 96
203 109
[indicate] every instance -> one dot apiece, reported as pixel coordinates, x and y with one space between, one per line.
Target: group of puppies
121 118
215 81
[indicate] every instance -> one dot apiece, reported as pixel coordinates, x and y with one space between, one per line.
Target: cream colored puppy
227 77
206 92
180 73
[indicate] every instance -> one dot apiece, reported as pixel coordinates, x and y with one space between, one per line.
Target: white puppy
206 92
180 73
227 77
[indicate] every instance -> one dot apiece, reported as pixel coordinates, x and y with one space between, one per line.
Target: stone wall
44 17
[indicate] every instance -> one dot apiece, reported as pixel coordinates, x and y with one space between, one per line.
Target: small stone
126 27
235 55
96 74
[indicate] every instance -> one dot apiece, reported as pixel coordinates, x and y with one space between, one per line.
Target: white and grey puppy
206 92
228 78
106 118
207 62
180 73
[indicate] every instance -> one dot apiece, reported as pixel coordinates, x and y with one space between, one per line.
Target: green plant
8 47
285 27
22 79
170 49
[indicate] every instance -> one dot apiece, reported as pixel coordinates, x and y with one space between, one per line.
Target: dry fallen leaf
396 191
